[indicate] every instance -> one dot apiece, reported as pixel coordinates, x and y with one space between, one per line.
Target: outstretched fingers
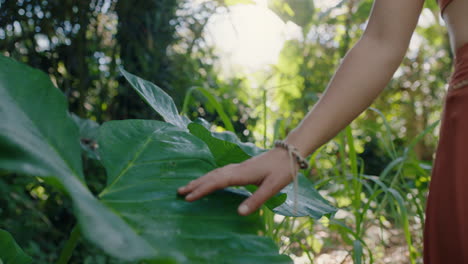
234 174
189 187
207 185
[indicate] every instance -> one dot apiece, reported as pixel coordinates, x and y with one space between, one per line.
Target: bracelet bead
303 164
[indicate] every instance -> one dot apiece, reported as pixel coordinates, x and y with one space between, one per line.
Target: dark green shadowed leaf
224 152
10 252
36 135
159 100
38 138
249 148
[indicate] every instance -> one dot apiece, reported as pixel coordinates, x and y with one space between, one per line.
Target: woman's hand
270 171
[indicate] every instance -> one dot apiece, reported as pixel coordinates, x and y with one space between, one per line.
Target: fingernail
181 188
243 209
188 197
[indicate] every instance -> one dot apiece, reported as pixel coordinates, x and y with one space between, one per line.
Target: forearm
363 74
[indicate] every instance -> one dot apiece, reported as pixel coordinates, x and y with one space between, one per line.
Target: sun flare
250 36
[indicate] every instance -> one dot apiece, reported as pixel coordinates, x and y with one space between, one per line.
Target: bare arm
364 73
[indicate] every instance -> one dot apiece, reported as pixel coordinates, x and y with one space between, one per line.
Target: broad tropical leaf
146 162
36 135
10 252
227 148
38 138
140 217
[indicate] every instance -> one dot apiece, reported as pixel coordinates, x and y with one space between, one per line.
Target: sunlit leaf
159 100
298 11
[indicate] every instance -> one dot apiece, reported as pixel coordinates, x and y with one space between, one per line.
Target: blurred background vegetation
262 63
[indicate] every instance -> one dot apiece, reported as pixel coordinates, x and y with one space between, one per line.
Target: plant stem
70 245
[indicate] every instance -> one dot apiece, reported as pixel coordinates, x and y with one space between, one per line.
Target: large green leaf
146 162
140 216
37 137
10 252
227 148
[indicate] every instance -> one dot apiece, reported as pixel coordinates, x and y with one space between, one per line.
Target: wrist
293 152
301 143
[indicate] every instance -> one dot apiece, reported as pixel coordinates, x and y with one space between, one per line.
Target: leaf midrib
124 170
132 163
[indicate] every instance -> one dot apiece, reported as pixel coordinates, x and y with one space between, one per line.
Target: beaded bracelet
293 154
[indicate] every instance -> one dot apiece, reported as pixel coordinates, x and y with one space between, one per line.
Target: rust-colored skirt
446 227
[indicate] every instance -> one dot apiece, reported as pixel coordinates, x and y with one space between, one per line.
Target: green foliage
223 151
309 202
387 172
297 11
213 101
145 162
11 252
42 148
127 147
155 158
